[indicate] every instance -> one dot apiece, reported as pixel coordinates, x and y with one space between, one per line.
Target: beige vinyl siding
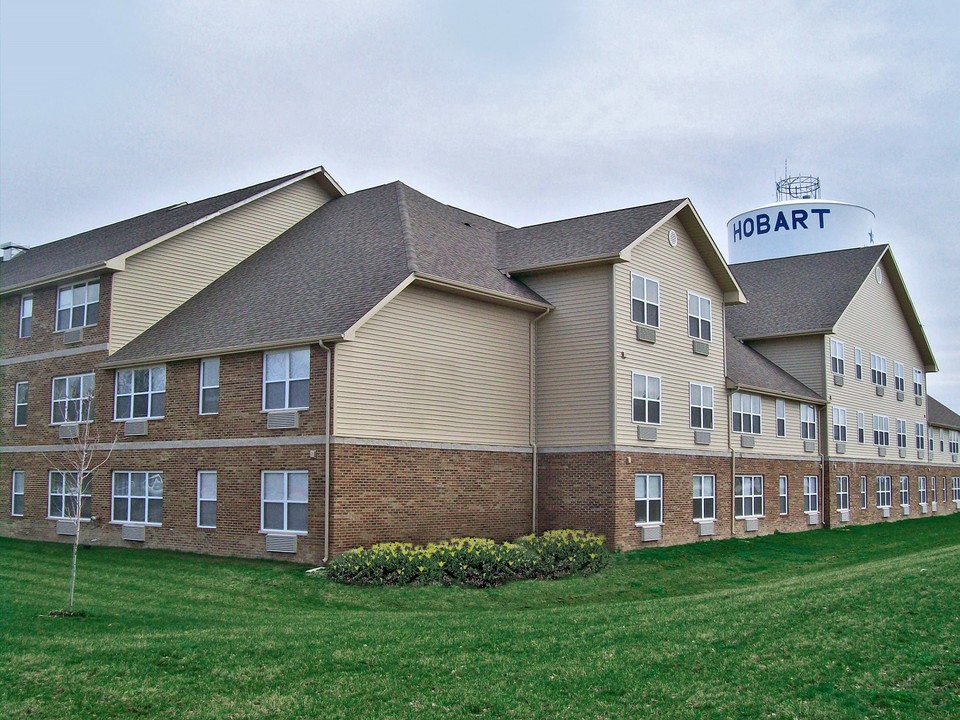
163 277
436 367
768 442
874 322
573 357
678 269
802 357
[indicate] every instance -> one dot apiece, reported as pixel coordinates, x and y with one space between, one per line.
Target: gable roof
807 295
940 415
94 249
749 370
321 278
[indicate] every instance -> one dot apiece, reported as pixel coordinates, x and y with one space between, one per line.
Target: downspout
733 472
532 415
326 456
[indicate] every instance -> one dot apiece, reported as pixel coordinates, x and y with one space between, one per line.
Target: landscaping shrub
477 562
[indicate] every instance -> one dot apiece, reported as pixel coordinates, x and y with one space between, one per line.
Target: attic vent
468 224
672 238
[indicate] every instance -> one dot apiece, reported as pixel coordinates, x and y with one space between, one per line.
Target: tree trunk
73 564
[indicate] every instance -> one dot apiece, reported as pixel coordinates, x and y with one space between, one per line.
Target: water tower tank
799 223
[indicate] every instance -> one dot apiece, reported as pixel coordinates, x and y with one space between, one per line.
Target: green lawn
850 623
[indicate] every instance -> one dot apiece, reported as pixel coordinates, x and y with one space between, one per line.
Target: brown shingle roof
940 415
750 370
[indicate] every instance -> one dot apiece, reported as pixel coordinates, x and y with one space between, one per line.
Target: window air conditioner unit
135 533
809 445
72 337
701 437
66 527
924 508
646 433
751 524
906 509
903 452
885 512
706 528
747 441
651 533
881 451
838 380
844 516
956 504
813 518
900 395
69 431
919 400
283 419
135 427
646 334
880 390
281 543
701 348
933 506
841 448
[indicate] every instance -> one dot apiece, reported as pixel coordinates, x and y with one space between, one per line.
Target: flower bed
477 562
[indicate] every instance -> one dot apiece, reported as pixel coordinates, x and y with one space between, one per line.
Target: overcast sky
524 112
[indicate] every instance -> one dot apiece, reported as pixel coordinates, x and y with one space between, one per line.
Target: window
646 398
836 356
843 492
808 422
286 379
810 500
884 492
860 432
284 506
644 300
933 488
748 496
941 439
901 434
16 491
881 430
898 376
26 315
704 497
954 442
210 386
920 441
701 406
840 424
699 316
904 490
922 490
784 500
930 439
955 495
141 393
863 492
781 418
20 404
878 370
71 399
138 497
78 305
62 503
918 382
858 362
649 498
207 499
746 413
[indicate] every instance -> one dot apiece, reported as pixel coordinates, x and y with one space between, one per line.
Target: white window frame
648 283
86 305
650 497
25 326
781 406
701 403
858 363
156 375
918 382
752 411
840 424
699 319
933 487
742 498
21 403
899 382
921 442
843 492
836 356
204 498
148 498
881 431
784 496
18 479
808 422
954 440
85 386
284 501
207 387
288 378
901 434
878 370
884 491
864 500
811 494
64 494
941 439
651 396
922 489
861 428
904 490
955 487
703 497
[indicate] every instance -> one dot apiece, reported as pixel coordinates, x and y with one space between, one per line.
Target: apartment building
291 371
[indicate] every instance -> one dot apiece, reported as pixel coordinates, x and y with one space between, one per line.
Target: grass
858 622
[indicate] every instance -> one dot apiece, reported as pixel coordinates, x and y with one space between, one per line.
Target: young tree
83 453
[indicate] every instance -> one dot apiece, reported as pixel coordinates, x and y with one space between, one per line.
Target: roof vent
10 250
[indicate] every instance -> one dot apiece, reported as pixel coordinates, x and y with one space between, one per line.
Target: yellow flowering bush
477 562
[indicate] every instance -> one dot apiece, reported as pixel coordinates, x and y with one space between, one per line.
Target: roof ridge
862 248
405 227
590 215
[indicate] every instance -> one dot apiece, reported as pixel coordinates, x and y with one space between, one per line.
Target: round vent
878 274
672 238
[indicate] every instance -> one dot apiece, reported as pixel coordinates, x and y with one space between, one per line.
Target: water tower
799 223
